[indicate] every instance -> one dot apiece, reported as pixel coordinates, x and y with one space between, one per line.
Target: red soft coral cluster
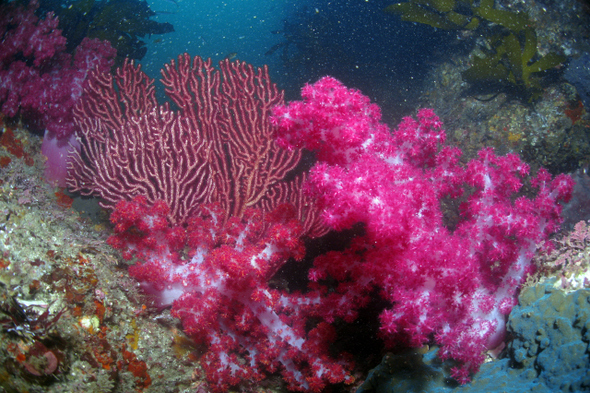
220 291
450 275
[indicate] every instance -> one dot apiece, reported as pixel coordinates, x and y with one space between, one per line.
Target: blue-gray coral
551 334
549 352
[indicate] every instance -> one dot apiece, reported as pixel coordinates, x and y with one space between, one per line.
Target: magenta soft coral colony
453 285
40 81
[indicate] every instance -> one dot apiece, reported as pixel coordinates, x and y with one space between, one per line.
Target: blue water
215 28
354 41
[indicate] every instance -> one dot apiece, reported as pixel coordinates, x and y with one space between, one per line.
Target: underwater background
354 41
511 74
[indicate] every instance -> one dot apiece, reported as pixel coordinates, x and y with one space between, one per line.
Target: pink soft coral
38 79
41 82
451 283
